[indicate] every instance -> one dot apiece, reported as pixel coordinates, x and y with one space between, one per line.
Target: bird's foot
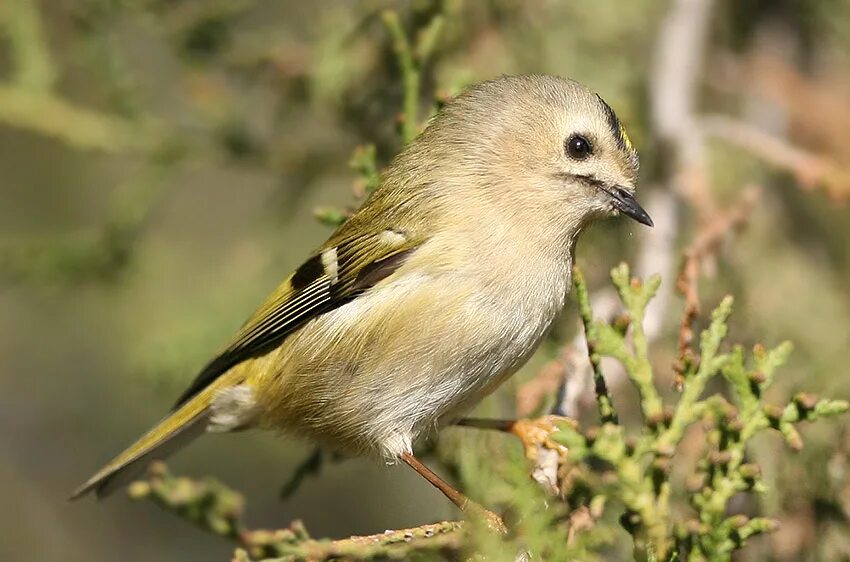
536 434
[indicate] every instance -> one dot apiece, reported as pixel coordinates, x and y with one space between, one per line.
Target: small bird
431 295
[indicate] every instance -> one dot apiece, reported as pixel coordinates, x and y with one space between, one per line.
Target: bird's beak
625 202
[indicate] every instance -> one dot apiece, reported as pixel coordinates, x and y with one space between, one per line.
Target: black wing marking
324 282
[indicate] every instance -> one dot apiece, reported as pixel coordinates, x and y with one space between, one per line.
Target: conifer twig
219 510
603 397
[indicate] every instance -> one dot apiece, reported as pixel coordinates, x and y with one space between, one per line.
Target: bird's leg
535 431
458 498
487 423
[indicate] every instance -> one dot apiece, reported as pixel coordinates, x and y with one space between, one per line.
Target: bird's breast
417 349
521 307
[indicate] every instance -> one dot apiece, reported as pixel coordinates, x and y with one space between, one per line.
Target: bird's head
538 142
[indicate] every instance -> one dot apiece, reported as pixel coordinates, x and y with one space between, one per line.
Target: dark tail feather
127 466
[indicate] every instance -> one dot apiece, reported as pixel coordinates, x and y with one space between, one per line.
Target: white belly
416 353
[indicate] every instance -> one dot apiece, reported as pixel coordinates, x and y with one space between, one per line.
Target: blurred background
161 167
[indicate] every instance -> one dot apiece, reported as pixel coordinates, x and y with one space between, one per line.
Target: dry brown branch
809 106
673 95
706 242
810 170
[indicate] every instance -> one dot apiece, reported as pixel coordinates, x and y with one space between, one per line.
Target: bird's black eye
578 147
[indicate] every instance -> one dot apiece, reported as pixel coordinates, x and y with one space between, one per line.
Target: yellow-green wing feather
327 280
345 267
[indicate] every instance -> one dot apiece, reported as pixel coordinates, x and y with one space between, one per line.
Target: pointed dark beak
625 202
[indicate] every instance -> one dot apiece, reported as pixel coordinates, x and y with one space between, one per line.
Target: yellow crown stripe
626 138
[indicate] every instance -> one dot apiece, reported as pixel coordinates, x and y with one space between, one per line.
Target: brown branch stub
706 242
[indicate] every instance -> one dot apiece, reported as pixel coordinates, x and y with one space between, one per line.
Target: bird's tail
175 431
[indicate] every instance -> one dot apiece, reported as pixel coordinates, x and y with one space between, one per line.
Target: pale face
597 162
544 149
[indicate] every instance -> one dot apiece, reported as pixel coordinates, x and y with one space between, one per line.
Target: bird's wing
340 272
